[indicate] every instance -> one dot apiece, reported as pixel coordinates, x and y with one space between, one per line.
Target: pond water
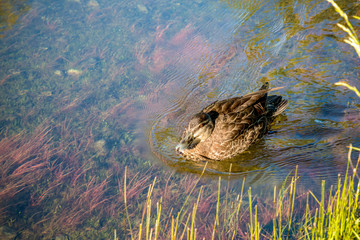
124 77
294 45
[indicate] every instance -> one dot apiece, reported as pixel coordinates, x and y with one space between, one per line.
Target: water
117 82
315 129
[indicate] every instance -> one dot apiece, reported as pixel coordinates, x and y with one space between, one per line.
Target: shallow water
301 55
128 76
224 49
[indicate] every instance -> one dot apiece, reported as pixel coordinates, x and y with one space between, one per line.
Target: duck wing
239 104
234 133
230 126
238 122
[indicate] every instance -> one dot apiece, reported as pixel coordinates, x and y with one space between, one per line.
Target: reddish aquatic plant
119 108
77 206
159 53
182 36
24 162
49 168
159 59
6 77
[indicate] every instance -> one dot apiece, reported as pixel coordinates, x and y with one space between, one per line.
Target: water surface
117 81
291 45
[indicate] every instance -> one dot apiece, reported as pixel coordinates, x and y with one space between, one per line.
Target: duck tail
276 105
281 107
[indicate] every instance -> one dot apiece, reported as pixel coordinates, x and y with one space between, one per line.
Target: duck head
199 129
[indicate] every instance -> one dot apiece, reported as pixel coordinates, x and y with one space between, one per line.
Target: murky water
125 77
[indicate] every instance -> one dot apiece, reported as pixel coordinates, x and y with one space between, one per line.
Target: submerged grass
61 188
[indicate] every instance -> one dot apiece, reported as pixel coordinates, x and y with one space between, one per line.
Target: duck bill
188 142
182 146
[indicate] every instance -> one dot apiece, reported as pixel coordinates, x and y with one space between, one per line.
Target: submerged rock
142 8
100 148
74 72
58 73
93 3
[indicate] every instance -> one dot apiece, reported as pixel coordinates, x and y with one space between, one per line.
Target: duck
226 128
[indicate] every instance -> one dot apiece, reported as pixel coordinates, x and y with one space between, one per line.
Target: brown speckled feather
239 122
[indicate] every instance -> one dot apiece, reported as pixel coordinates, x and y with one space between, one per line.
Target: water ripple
222 59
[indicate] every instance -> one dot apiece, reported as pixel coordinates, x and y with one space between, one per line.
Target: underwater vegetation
71 165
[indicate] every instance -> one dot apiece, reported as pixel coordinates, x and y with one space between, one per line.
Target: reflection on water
117 81
279 43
